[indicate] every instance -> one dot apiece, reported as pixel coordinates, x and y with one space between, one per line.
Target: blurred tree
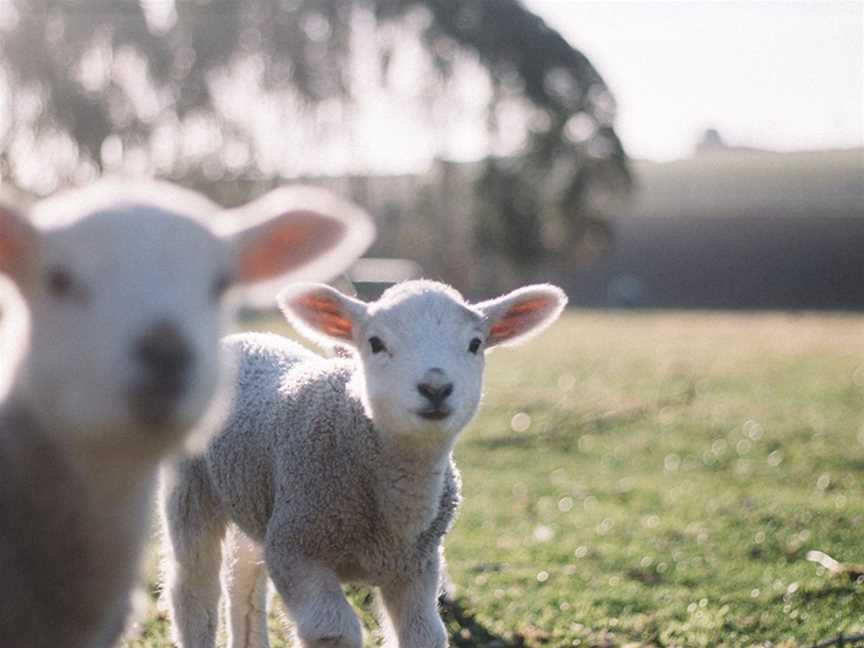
99 83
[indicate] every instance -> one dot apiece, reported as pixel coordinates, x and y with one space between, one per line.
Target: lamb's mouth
436 414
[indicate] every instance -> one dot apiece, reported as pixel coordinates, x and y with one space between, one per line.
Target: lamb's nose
435 387
163 351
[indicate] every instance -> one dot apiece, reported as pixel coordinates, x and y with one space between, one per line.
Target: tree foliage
75 70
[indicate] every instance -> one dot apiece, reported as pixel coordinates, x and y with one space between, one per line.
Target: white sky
780 75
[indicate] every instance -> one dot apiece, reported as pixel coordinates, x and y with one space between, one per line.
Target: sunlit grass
656 479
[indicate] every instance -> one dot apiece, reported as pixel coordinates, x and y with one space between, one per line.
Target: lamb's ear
298 233
521 314
17 243
322 313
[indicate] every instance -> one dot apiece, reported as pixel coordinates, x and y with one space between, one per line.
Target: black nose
435 393
163 352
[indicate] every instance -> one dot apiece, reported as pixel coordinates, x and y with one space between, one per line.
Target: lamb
117 364
332 470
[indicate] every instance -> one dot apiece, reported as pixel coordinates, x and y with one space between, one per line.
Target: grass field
657 479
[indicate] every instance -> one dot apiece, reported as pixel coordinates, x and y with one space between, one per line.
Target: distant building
745 229
710 142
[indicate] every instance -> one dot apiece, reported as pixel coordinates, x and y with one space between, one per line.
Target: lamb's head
126 284
421 346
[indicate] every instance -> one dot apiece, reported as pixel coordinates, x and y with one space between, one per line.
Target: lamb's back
292 429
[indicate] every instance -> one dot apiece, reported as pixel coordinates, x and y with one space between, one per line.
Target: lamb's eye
474 347
60 283
376 344
220 286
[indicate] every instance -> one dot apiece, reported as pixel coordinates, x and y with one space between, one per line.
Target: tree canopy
97 81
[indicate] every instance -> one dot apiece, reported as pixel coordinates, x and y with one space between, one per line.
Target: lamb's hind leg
244 580
193 527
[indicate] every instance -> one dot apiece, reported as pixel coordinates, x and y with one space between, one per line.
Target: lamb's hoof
327 621
334 641
350 636
331 642
428 632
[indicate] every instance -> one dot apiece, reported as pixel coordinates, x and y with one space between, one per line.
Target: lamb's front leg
313 597
411 607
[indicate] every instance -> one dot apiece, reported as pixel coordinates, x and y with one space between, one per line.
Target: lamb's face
124 284
132 325
423 359
421 346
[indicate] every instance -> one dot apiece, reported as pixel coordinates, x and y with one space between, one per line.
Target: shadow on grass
827 592
466 632
462 626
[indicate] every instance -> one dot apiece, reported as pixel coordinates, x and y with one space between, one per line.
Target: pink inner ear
325 315
289 244
519 319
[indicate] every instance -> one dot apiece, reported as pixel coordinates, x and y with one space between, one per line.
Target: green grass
657 479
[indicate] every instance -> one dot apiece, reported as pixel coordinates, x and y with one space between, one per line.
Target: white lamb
338 470
118 360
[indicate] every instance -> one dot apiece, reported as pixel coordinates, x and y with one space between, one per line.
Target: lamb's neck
113 483
118 485
409 484
116 498
407 471
98 500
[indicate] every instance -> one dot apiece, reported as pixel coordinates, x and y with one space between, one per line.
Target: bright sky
779 75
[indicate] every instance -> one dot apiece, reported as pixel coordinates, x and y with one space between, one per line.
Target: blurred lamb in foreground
337 470
119 365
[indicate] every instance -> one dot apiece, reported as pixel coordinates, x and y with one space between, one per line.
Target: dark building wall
737 261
